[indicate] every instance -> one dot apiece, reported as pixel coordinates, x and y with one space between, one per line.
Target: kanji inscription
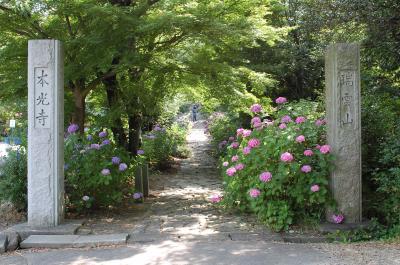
42 98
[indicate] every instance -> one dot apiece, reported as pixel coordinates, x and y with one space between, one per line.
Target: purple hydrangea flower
140 152
115 160
89 137
137 195
122 167
106 142
102 134
95 146
105 172
72 128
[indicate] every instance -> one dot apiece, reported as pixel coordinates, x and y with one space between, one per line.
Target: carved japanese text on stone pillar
347 93
42 98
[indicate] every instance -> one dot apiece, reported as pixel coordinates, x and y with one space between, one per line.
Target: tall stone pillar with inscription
342 77
45 133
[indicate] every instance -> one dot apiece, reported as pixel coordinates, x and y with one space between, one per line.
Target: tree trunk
79 109
117 128
135 124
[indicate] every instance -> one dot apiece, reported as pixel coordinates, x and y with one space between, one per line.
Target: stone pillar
145 177
343 100
45 133
139 179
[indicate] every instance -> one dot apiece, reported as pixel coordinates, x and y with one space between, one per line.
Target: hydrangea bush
97 173
279 167
161 143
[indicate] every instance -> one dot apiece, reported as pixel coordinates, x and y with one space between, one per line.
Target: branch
71 33
97 81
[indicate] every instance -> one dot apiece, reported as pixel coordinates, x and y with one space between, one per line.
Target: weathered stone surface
342 77
3 243
45 133
13 240
68 227
100 240
138 180
76 241
145 177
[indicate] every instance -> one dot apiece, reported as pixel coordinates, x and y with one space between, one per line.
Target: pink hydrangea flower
314 188
239 166
338 218
300 119
287 157
225 164
254 193
266 176
325 149
320 122
282 126
286 119
246 150
235 145
318 147
308 152
255 120
231 171
246 133
257 125
300 138
239 131
231 138
253 143
280 100
306 168
215 198
235 158
256 108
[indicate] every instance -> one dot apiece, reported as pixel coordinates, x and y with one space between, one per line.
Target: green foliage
13 178
286 197
374 231
90 171
387 179
221 127
161 144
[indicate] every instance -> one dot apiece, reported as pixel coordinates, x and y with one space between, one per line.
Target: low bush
161 144
221 127
280 169
13 178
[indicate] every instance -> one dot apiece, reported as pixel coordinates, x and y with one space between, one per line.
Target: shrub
221 127
387 179
13 178
280 169
97 173
162 143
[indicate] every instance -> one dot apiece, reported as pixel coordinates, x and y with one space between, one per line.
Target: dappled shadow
187 252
